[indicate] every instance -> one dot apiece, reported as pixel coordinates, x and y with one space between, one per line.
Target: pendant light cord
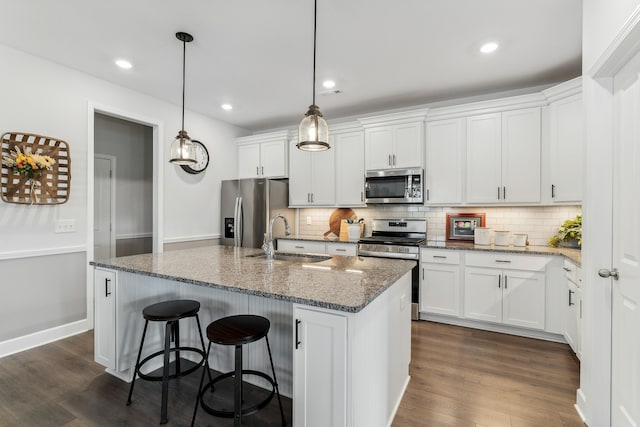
184 60
315 19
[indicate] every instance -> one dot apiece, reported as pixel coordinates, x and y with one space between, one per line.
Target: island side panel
380 355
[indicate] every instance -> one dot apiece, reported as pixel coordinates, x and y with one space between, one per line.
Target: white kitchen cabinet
573 307
350 171
311 177
444 161
317 247
503 157
105 315
507 289
440 284
262 156
320 368
394 146
566 140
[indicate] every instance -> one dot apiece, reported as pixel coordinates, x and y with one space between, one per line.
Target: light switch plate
308 219
65 226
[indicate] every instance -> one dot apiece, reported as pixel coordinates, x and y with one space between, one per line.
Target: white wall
44 98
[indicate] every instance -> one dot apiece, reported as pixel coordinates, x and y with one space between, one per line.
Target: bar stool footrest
245 411
176 374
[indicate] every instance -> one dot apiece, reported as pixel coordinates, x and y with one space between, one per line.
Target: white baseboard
581 405
36 339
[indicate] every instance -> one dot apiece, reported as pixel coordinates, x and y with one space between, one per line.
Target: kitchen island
340 326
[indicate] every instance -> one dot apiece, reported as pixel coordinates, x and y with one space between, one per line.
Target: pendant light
182 150
313 132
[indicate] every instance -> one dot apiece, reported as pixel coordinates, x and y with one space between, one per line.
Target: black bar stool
238 331
170 312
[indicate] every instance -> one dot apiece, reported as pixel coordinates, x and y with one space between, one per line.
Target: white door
408 144
625 351
103 210
323 177
273 159
483 294
349 168
523 298
484 158
378 148
249 161
443 171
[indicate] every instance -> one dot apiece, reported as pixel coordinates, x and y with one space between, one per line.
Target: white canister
354 231
519 239
502 237
482 236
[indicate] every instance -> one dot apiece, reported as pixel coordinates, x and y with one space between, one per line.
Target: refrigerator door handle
239 224
235 222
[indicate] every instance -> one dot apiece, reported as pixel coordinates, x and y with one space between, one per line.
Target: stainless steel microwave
394 186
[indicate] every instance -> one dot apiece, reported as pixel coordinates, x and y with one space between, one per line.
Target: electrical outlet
309 220
65 226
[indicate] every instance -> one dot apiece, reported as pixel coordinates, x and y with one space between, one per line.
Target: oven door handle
388 255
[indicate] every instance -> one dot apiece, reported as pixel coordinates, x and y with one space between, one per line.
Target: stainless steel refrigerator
247 206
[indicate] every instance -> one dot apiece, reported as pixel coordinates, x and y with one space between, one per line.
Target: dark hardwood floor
459 377
467 377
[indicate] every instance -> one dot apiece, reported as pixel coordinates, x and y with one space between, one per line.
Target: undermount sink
294 257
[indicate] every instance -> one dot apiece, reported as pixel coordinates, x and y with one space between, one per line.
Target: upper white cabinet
444 165
349 147
263 156
394 141
566 143
503 157
312 177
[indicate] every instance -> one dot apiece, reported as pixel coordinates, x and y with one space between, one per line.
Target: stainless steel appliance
398 238
394 186
247 205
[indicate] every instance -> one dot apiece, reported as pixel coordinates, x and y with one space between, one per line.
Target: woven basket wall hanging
46 187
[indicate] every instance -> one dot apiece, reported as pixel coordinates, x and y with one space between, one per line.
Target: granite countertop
331 238
340 283
574 255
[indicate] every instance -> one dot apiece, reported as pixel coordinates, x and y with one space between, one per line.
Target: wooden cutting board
336 218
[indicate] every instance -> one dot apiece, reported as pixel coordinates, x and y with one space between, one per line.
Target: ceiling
257 54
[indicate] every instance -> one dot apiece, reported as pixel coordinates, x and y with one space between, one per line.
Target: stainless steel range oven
398 238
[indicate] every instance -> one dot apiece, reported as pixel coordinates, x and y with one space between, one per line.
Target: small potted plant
569 234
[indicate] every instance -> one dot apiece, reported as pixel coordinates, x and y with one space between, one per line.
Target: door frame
594 395
112 184
158 183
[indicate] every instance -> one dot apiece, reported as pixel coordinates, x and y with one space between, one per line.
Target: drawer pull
440 256
503 260
340 250
566 269
299 247
499 281
570 295
298 342
107 282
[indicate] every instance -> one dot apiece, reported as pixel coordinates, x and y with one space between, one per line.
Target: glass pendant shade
313 132
182 151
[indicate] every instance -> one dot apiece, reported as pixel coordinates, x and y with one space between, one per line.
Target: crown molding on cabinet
563 90
490 106
264 137
344 127
394 118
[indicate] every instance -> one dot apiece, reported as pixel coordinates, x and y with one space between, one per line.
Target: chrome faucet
267 245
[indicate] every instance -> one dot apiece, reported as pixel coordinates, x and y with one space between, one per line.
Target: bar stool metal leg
275 380
205 368
237 406
135 370
165 374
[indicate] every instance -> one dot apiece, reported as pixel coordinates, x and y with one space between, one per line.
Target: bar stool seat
238 331
170 312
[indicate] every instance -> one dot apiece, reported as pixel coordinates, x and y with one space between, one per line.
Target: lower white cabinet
320 367
317 247
573 308
105 318
440 282
510 296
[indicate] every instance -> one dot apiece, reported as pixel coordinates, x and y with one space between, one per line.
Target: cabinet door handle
566 269
498 193
389 160
440 256
298 342
299 247
362 196
504 193
311 197
107 282
499 280
505 281
503 260
427 194
570 294
394 160
340 250
262 169
257 171
553 191
423 274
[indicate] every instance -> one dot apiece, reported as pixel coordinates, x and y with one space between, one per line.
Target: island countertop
340 283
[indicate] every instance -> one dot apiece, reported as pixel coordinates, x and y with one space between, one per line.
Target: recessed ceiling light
489 47
227 107
124 64
328 84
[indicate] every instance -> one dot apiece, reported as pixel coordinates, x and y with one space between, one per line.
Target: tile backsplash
539 222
